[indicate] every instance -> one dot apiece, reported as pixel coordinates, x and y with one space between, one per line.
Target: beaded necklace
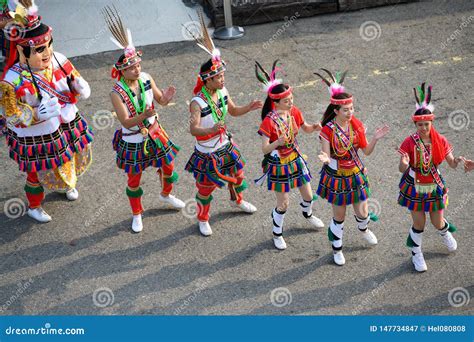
286 128
217 115
338 144
425 160
140 107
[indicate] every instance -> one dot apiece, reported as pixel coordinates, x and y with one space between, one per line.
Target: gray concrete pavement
79 27
170 269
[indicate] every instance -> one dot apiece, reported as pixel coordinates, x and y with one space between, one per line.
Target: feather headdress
122 38
423 101
269 81
205 42
335 87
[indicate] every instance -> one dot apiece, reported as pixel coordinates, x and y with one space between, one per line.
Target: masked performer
46 135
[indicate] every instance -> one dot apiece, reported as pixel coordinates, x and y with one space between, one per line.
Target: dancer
142 141
344 178
284 165
46 135
216 159
422 188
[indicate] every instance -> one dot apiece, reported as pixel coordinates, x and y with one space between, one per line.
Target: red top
270 129
359 141
409 147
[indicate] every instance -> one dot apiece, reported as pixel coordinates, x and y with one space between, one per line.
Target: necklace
140 106
425 160
338 145
217 115
285 126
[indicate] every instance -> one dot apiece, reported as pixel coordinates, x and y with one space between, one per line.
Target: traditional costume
285 167
216 159
422 188
147 144
46 135
344 179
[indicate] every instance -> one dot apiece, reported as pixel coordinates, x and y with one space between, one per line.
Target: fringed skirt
227 160
283 177
39 153
77 133
132 157
343 190
414 201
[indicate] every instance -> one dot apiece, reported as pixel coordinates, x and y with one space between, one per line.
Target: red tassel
198 86
115 74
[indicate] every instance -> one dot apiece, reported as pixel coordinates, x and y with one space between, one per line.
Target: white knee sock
278 218
307 207
336 230
362 223
414 240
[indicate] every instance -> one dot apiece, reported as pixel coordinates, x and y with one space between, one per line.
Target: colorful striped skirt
39 153
343 190
282 177
227 160
132 157
77 133
414 201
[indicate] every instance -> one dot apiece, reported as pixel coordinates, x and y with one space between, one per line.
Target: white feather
130 41
33 9
204 48
117 43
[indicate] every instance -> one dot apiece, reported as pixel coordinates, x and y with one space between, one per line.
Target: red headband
424 117
341 102
280 95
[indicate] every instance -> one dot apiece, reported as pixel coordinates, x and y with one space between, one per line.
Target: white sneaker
172 201
339 258
279 242
205 228
370 237
39 215
137 224
316 222
449 241
419 262
72 194
244 206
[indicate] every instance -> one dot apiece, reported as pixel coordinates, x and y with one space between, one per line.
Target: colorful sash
345 140
46 86
154 128
219 113
433 170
